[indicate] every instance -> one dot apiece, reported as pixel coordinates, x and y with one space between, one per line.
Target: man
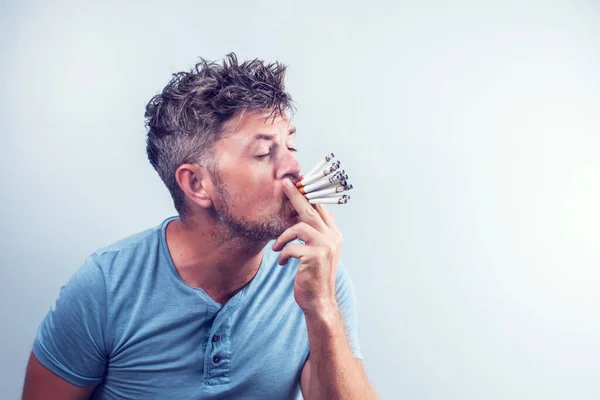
240 296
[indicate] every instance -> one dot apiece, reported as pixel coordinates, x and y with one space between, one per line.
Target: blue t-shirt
128 323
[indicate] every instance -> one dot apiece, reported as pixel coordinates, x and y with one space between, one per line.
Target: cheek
277 191
257 193
265 189
260 196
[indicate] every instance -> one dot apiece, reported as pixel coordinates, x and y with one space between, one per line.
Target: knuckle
322 252
309 210
335 239
332 249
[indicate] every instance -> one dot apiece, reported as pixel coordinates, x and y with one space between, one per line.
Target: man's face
251 164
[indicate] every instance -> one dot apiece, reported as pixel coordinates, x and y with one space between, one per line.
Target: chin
292 220
283 223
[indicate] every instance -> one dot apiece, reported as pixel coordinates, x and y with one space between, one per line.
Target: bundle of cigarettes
325 183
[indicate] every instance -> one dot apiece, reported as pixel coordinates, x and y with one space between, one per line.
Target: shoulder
128 252
146 239
110 265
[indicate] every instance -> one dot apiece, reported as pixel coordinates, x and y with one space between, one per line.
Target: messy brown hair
186 119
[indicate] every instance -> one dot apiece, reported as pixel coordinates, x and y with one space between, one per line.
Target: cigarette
330 200
328 191
324 185
320 164
325 181
319 174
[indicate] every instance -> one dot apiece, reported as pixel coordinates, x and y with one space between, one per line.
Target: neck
207 257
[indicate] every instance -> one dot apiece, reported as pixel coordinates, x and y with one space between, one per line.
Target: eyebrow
266 136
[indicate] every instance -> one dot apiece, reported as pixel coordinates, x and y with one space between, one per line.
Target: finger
301 231
295 250
326 216
333 216
305 210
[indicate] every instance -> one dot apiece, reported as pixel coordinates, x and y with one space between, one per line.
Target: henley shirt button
216 359
215 338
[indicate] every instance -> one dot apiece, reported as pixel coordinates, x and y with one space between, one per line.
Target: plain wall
470 130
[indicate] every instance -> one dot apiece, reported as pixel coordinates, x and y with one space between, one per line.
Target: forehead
252 122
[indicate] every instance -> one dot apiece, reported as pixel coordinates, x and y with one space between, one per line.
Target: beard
244 228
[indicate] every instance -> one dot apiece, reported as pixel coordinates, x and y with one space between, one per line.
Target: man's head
220 139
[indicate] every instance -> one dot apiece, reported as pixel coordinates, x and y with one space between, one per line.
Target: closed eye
270 153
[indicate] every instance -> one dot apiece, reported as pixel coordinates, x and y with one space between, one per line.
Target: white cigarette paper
330 200
328 191
319 174
325 181
320 164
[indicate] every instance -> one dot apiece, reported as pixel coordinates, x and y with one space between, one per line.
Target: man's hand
314 285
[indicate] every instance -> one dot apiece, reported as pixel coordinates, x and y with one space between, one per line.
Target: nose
289 166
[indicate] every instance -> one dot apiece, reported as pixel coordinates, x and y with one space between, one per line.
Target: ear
196 183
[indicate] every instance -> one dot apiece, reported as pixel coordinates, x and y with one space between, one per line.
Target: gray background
470 131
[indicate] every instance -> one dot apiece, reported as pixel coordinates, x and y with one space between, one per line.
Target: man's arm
332 371
69 354
41 383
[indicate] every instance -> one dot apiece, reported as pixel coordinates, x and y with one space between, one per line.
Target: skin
332 372
236 204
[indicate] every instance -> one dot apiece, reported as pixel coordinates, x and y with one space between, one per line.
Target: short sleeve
70 340
346 300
